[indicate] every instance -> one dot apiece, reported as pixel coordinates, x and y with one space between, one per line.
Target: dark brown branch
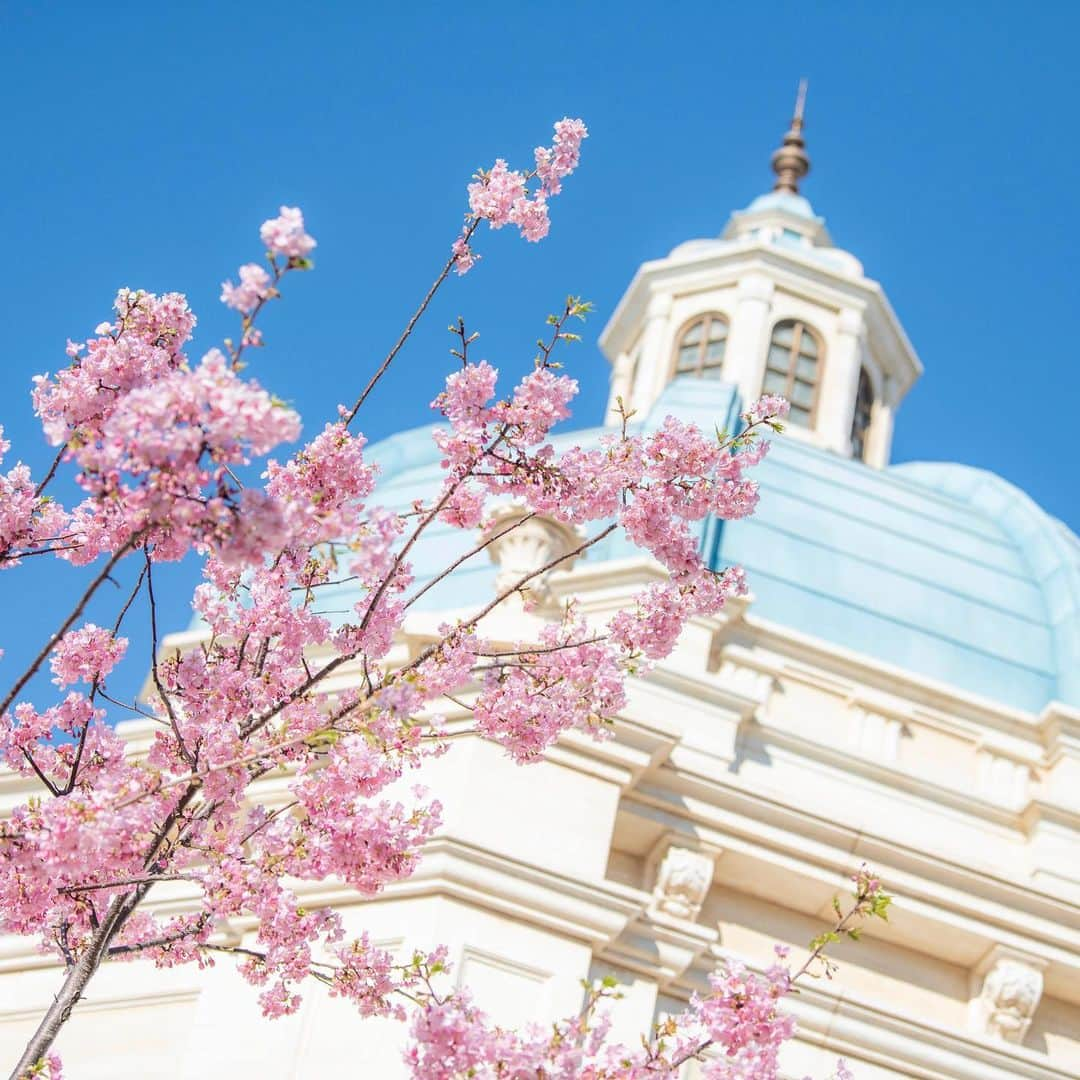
51 473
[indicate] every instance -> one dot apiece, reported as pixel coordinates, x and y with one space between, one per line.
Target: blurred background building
902 688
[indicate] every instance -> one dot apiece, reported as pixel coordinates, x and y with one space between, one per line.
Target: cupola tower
770 306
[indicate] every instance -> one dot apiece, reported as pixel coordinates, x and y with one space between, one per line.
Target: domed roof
799 205
941 570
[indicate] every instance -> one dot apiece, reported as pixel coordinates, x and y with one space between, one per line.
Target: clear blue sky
147 142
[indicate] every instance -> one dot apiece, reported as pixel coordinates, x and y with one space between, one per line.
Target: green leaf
880 906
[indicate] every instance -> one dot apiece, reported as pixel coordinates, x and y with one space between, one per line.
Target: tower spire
791 162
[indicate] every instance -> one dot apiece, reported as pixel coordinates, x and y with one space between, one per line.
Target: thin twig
76 611
51 473
165 699
409 327
468 555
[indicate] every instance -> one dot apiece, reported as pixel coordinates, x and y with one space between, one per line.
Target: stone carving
521 550
1010 995
682 883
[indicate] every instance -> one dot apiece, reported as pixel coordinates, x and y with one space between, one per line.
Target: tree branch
76 611
408 327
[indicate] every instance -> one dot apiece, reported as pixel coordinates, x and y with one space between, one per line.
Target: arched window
864 406
794 368
701 348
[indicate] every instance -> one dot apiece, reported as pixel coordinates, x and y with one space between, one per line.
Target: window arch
794 368
701 347
860 422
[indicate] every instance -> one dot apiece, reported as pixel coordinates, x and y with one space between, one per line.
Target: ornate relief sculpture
522 549
682 883
1010 995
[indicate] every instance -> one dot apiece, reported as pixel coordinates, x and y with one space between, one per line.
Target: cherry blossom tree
155 441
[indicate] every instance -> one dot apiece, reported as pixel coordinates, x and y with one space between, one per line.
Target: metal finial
791 162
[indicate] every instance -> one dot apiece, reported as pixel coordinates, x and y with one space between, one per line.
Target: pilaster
836 394
744 363
653 365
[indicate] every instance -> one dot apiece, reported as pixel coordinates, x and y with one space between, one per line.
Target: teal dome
798 205
944 571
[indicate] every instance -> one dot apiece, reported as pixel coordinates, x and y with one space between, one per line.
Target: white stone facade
749 776
725 814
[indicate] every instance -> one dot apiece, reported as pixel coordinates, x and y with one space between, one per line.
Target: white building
902 688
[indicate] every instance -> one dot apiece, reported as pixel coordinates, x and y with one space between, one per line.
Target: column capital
659 305
755 287
851 321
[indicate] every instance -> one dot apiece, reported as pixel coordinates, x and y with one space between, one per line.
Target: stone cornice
888 1036
934 891
850 1024
858 669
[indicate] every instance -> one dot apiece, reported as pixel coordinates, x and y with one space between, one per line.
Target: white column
744 361
836 401
881 426
654 359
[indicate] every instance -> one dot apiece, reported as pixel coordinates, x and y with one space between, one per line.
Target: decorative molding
850 322
954 708
472 958
755 286
874 734
660 948
952 904
1002 779
744 680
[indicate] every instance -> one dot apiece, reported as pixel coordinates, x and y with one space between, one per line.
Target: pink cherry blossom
553 165
285 235
768 407
29 522
492 196
500 196
86 655
464 257
332 699
255 285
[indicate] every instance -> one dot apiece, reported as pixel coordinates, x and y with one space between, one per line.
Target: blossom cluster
286 235
279 686
500 195
737 1032
29 522
86 655
255 285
